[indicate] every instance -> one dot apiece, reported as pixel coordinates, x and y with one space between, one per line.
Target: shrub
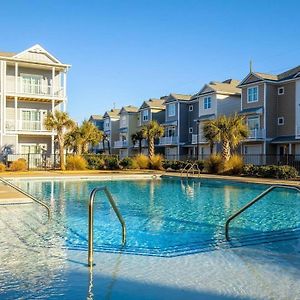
214 164
200 164
286 172
142 161
76 162
2 167
111 162
156 162
19 165
129 163
234 165
173 164
95 162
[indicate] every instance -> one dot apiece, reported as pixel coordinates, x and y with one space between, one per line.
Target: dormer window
280 90
145 115
252 94
207 103
171 110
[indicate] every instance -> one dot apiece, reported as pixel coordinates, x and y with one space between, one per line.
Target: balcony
28 126
41 89
168 140
121 144
257 134
201 139
144 144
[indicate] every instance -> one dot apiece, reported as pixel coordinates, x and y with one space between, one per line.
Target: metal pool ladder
91 220
253 201
191 168
27 195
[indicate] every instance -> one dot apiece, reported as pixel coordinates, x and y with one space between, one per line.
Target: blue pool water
167 217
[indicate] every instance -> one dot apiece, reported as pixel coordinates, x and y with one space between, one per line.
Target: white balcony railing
121 144
256 134
34 89
22 125
168 140
201 139
144 144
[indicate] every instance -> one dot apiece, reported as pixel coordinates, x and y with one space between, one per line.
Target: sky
124 52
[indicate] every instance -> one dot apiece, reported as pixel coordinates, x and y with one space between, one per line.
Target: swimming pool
167 219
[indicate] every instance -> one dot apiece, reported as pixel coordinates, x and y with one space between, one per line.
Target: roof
113 113
266 76
254 110
285 139
153 103
96 117
228 86
129 109
181 97
7 54
206 117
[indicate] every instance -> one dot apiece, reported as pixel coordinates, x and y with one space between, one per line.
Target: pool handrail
91 220
193 169
6 182
185 168
253 201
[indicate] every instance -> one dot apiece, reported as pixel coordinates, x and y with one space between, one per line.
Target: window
280 121
191 130
31 84
32 119
171 110
123 121
281 90
252 94
145 115
191 108
253 122
207 102
106 124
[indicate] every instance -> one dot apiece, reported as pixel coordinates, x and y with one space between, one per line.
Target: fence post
28 162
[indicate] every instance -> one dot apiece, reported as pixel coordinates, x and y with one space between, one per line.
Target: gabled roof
113 113
96 117
228 86
177 97
153 103
129 109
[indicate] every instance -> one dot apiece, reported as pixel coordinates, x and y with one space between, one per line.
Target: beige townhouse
271 105
32 83
213 100
128 126
111 130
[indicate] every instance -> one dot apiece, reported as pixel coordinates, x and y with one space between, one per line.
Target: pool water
175 244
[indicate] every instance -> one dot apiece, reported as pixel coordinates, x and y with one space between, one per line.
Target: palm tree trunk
151 147
61 154
226 150
108 146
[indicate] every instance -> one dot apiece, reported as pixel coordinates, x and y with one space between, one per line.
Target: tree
73 140
152 131
138 137
60 122
230 131
209 134
106 138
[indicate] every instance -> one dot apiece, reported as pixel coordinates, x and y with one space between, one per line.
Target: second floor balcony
198 140
144 144
121 144
168 140
257 134
26 126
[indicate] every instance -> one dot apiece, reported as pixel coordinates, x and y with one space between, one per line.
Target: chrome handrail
27 195
91 220
184 169
192 168
268 190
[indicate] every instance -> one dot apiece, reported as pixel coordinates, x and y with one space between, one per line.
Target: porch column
16 113
290 148
16 78
65 84
53 78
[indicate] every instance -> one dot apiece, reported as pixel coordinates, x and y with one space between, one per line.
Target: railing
260 196
91 220
27 195
189 167
40 89
257 134
201 139
144 144
168 140
121 144
24 125
185 168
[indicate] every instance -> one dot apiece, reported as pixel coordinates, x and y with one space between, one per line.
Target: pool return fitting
91 220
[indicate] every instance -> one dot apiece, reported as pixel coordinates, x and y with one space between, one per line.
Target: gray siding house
111 130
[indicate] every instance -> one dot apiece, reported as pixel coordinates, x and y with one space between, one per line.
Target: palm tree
209 134
230 131
138 137
90 135
152 131
73 140
59 121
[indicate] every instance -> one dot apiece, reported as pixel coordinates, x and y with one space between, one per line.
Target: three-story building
111 130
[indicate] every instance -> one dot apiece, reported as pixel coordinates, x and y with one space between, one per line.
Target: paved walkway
9 196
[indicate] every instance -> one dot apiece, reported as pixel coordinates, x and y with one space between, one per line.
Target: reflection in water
189 187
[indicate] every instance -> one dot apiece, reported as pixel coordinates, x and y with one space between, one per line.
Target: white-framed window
32 119
31 84
106 124
123 121
145 115
207 102
252 94
171 110
253 122
191 107
280 121
191 130
280 90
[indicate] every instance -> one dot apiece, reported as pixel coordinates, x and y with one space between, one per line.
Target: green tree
210 134
138 137
60 122
152 131
229 131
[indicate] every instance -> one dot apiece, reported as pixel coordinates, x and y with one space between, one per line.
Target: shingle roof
266 76
289 73
7 54
96 117
130 108
155 103
182 97
112 113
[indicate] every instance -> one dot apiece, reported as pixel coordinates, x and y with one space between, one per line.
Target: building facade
111 130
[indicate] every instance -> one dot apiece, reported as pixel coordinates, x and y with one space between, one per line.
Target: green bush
286 172
234 165
129 163
156 162
95 162
111 162
173 164
214 164
76 162
142 161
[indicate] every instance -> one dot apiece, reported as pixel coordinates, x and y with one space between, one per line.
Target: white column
16 78
53 79
16 112
290 148
65 84
4 98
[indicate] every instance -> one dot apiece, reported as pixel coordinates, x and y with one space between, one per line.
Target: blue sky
124 52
